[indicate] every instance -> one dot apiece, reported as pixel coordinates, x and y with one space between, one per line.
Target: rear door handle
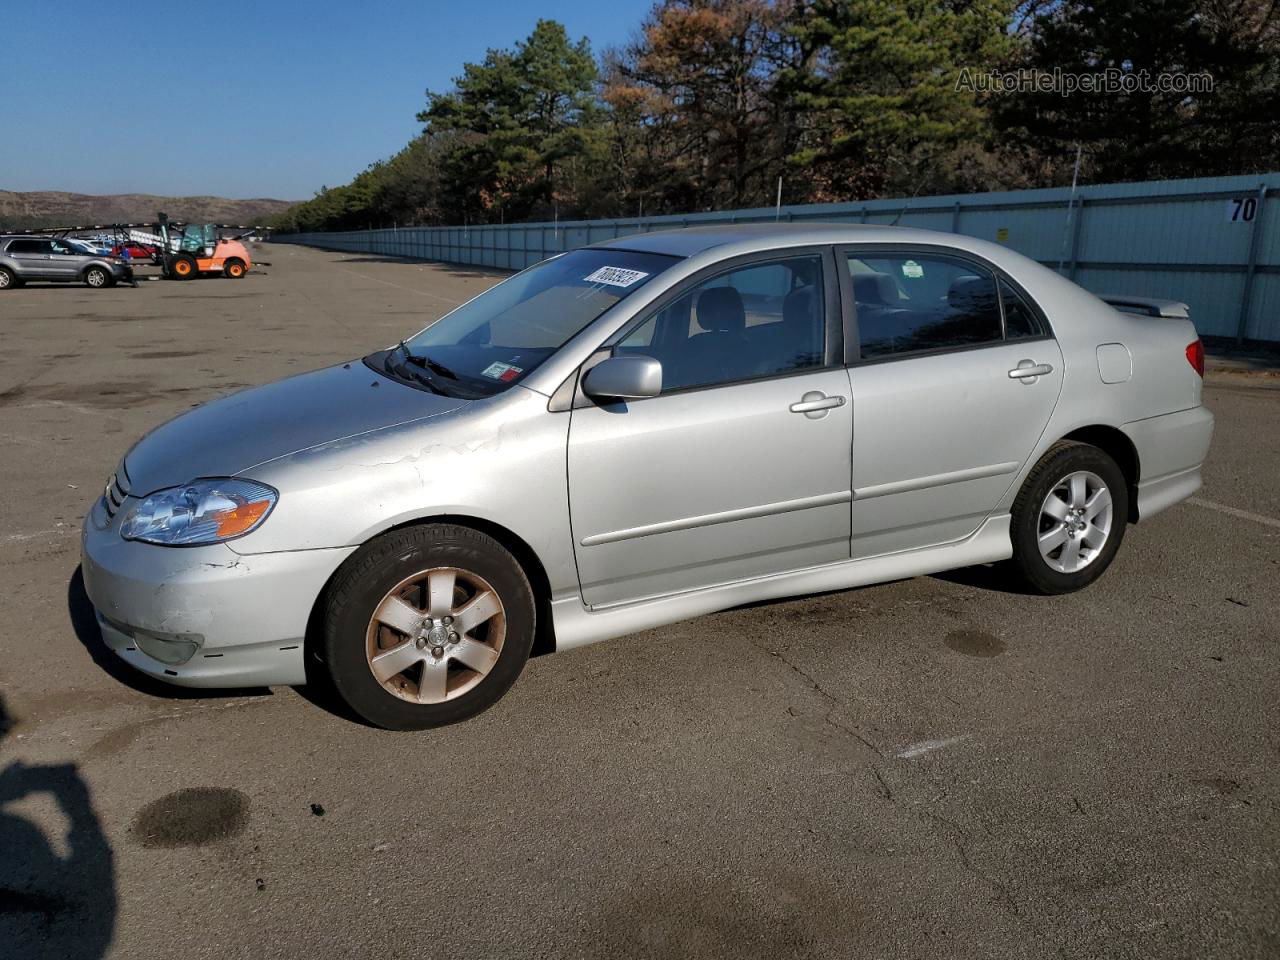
815 404
1028 370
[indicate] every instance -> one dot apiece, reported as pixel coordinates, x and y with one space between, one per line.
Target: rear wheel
427 626
7 280
97 277
1069 518
182 267
234 268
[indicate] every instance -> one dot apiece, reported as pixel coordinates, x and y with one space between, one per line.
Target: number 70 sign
1242 209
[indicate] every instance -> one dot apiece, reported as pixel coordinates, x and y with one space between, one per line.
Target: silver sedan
635 433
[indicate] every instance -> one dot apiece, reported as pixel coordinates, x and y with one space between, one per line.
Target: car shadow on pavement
85 624
57 895
987 576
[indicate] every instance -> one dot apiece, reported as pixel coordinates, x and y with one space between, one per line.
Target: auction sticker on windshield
616 276
503 371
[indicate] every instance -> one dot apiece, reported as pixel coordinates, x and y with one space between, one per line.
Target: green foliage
715 100
1154 134
516 117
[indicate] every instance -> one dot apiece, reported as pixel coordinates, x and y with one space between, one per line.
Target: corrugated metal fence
1212 242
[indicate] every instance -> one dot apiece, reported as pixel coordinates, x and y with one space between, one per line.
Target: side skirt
577 625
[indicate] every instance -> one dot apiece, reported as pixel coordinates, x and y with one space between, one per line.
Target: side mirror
623 378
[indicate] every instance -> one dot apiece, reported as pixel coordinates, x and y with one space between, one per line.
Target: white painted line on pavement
928 746
1235 512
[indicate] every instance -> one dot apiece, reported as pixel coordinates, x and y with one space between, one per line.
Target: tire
7 279
183 267
1073 474
97 277
404 577
234 269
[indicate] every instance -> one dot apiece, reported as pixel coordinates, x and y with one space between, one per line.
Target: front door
957 377
740 468
66 260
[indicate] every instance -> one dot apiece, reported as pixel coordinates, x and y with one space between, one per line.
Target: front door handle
815 404
1028 370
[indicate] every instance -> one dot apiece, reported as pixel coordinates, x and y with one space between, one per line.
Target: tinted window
1020 320
911 303
29 246
759 321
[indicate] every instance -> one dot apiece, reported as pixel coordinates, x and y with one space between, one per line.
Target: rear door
740 468
954 379
34 258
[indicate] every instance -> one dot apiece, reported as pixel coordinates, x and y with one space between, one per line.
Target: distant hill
50 208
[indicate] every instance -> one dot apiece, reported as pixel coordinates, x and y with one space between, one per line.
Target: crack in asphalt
960 838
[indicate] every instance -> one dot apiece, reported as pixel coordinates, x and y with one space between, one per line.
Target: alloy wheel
1075 521
435 635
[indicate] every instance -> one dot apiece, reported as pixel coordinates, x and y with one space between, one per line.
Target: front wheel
426 626
1069 518
97 278
234 269
182 267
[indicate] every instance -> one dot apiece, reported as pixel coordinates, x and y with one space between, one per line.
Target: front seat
720 352
802 328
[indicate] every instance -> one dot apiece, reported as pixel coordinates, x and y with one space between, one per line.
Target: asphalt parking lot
929 768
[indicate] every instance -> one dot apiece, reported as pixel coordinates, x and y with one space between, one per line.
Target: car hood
228 436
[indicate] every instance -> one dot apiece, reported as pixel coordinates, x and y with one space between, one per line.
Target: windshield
501 336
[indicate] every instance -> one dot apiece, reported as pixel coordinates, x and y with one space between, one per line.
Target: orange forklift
190 249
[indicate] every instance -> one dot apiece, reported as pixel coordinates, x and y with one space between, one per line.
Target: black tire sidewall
1057 463
226 268
378 566
106 278
13 278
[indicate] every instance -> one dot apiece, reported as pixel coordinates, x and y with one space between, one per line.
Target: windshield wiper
417 376
424 361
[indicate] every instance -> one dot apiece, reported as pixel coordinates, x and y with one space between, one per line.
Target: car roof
754 237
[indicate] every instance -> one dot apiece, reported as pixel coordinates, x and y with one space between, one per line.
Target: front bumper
245 616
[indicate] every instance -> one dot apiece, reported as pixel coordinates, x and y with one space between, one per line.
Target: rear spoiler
1148 306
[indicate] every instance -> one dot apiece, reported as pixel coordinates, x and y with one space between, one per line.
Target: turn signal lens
232 523
1195 356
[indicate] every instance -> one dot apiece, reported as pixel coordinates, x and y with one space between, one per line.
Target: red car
136 250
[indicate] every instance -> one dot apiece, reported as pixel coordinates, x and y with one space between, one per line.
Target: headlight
203 511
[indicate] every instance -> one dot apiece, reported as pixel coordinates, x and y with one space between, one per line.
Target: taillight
1195 356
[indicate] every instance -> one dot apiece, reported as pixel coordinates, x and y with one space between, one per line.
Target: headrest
720 308
970 293
875 289
800 307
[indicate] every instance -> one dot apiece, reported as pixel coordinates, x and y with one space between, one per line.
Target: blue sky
272 98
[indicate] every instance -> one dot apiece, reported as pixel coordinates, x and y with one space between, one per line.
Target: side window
60 247
759 321
911 303
29 246
1020 321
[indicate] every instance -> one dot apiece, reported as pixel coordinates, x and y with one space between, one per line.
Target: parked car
635 433
23 259
83 245
137 251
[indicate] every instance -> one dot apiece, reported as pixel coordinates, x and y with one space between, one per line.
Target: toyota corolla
635 433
